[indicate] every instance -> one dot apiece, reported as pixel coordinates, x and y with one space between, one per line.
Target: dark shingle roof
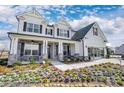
82 32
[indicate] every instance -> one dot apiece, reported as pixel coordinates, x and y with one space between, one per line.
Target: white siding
91 40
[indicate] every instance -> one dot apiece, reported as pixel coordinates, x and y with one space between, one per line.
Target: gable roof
82 32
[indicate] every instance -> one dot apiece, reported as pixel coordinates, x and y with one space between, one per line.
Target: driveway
64 67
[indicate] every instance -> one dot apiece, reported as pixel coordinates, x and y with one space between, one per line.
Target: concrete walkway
64 67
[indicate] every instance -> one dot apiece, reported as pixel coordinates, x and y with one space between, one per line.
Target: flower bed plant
36 74
71 59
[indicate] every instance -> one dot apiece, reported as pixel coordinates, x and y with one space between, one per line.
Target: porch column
15 46
12 46
44 49
13 51
60 51
53 50
105 52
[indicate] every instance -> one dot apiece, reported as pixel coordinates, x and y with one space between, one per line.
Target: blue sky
110 18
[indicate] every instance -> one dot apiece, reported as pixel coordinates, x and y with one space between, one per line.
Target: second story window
30 27
49 31
36 28
95 31
63 33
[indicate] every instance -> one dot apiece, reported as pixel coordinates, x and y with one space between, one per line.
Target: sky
110 19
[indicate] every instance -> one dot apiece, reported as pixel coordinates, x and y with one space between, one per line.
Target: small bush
3 61
17 63
119 82
19 68
32 61
47 63
67 59
33 66
103 79
4 70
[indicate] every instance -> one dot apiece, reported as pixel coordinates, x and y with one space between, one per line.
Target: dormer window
36 28
30 27
63 33
49 31
95 31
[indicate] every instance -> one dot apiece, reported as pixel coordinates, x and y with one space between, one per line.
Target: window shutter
46 31
51 31
24 26
57 31
39 49
40 28
68 33
22 49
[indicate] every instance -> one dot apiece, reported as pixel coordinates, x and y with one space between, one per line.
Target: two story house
35 38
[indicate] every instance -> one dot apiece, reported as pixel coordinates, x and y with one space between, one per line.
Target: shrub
3 61
67 59
46 80
19 68
32 61
119 82
4 70
47 63
17 63
33 66
103 79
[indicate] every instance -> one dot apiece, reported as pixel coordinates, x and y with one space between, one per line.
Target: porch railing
30 58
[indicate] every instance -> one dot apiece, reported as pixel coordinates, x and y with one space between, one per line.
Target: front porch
28 50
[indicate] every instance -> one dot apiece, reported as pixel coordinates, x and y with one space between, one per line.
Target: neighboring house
36 38
120 50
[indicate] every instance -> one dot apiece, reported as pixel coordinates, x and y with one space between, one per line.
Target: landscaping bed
75 59
105 74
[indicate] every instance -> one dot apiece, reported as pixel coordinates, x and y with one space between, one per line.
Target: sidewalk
64 67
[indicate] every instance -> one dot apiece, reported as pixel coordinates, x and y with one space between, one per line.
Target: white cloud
7 15
113 28
47 12
2 46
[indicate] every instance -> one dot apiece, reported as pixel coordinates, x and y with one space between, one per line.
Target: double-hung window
63 33
36 28
49 31
31 49
30 27
95 31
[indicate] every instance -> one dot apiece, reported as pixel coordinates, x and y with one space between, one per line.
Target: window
27 52
95 31
66 50
34 52
36 28
31 49
33 28
29 27
49 31
63 33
